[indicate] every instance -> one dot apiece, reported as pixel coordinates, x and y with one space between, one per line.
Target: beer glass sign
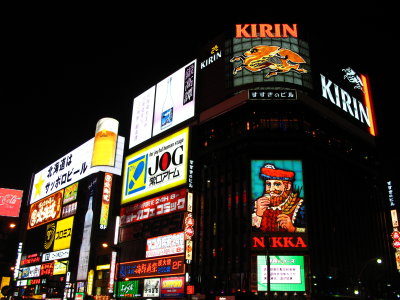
105 142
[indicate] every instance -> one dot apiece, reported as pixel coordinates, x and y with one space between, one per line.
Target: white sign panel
151 287
71 168
165 105
142 117
169 244
55 255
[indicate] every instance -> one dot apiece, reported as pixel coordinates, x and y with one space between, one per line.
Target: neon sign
284 242
266 30
164 266
349 104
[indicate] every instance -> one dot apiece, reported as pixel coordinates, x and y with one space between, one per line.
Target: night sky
63 70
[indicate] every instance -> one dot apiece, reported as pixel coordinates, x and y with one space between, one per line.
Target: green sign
286 273
128 289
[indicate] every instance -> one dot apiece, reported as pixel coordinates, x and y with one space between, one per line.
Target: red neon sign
292 242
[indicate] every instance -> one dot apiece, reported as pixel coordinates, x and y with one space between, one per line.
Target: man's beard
277 200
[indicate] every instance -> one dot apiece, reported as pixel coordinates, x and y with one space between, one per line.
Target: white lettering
342 99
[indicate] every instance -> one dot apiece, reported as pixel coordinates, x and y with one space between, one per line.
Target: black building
267 120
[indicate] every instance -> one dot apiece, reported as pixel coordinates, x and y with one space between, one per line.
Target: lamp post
358 291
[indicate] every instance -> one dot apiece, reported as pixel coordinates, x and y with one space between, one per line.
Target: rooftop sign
266 30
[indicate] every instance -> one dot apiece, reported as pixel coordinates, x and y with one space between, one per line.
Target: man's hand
285 222
261 205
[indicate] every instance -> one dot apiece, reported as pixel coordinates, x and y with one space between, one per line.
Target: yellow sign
63 235
90 282
60 267
158 167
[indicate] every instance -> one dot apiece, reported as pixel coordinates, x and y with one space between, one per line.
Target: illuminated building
249 172
68 214
266 119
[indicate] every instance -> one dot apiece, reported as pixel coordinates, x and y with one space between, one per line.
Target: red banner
10 202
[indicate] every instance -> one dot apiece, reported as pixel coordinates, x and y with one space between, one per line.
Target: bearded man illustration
281 208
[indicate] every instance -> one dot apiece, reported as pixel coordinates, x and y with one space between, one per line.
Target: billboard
269 53
169 103
62 239
286 273
159 206
10 202
151 287
128 289
158 167
153 267
172 287
168 244
71 168
278 196
45 210
349 95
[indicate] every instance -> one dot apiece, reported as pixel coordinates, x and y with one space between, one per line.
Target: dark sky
62 70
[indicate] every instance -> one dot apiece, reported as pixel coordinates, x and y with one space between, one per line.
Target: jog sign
158 167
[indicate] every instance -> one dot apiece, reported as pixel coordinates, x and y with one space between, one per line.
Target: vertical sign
105 200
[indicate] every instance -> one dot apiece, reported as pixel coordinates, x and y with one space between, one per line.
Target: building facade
249 173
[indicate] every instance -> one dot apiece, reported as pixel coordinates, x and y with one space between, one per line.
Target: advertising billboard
128 289
62 239
152 267
10 202
269 53
151 287
71 168
278 196
173 287
286 273
45 210
159 206
158 167
168 244
349 95
169 103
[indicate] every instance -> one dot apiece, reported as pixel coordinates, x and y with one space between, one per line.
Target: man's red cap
270 172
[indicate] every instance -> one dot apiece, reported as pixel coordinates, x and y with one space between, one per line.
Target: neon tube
368 104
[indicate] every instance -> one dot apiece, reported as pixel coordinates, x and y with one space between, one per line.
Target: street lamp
377 260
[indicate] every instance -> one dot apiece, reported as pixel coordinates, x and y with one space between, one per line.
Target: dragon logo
273 59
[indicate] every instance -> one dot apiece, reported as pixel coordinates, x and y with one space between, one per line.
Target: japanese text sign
71 168
158 167
155 207
154 267
45 210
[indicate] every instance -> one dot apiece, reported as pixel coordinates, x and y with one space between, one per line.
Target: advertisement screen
278 196
10 202
163 106
157 167
286 273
